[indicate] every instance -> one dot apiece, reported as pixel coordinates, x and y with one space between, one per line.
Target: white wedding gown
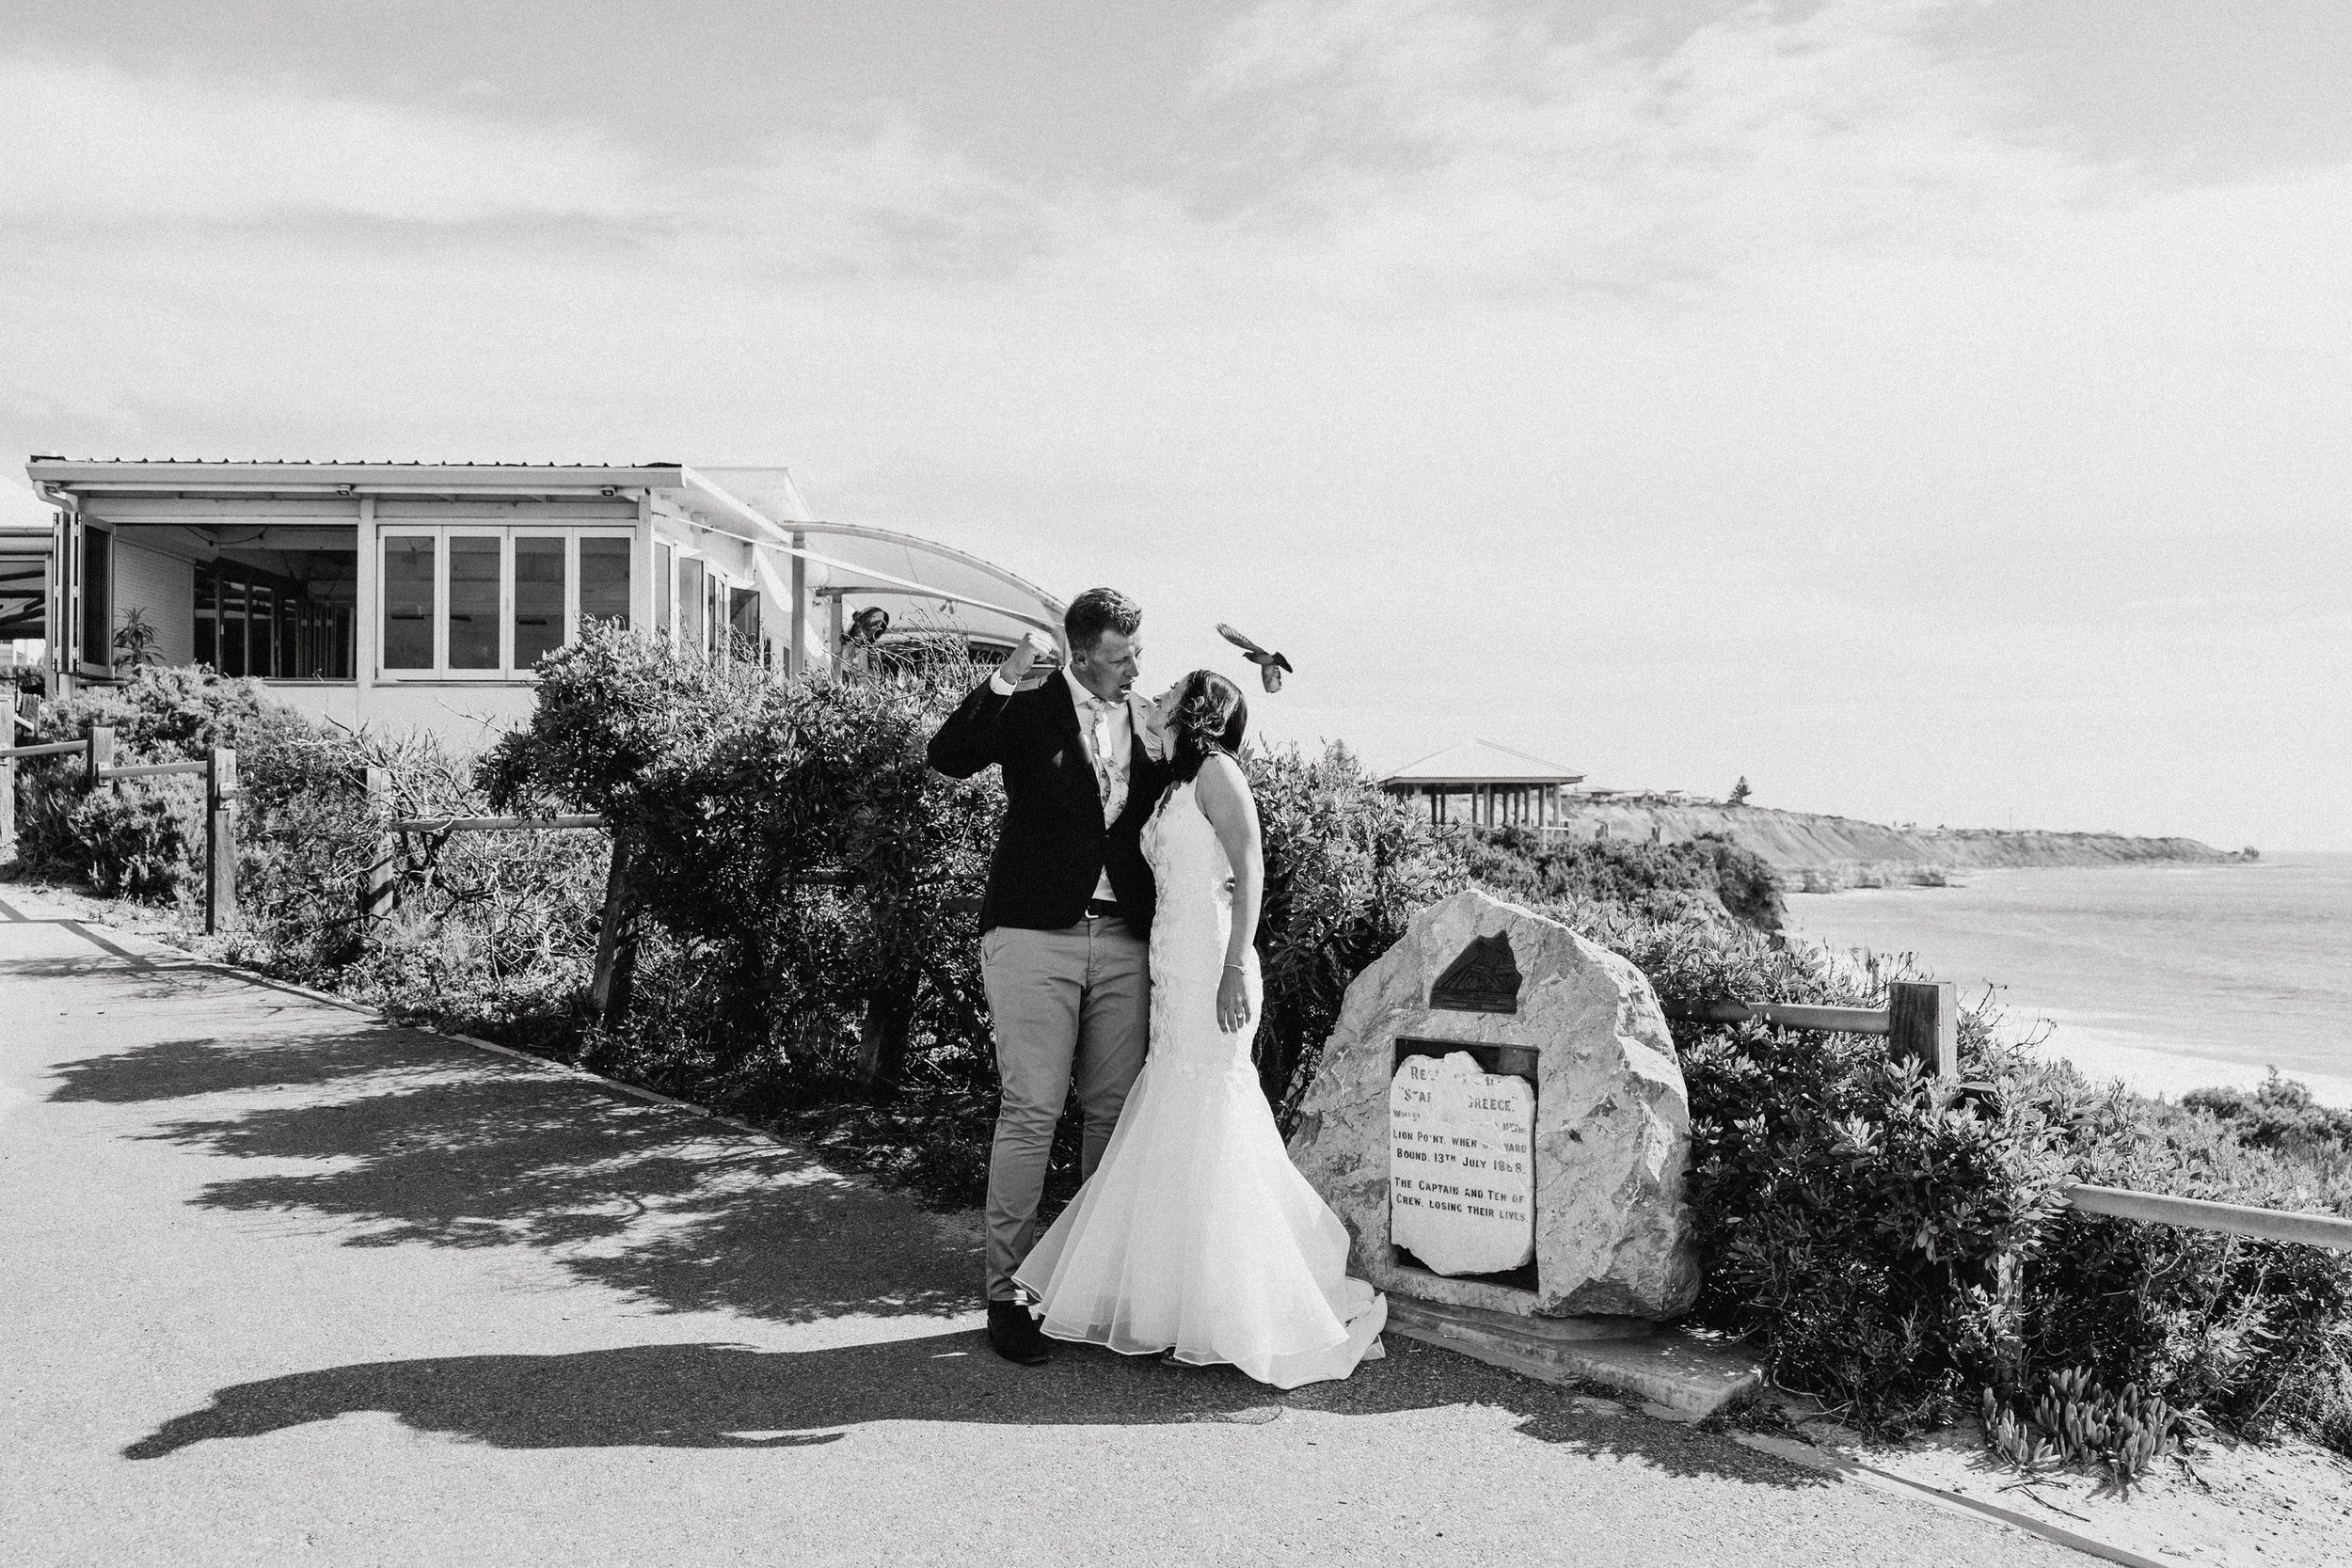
1196 1234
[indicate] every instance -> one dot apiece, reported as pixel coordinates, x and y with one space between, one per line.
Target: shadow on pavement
717 1396
419 1140
404 1138
184 1069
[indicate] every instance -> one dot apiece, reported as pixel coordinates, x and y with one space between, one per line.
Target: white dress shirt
1106 727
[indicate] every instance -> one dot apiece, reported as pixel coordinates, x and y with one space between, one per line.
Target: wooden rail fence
612 979
1921 1023
219 769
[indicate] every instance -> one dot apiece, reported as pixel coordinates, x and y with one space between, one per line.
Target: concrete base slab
1675 1372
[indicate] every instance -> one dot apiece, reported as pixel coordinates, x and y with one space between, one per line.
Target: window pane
323 584
206 648
232 596
98 636
744 615
473 602
661 589
260 613
690 603
407 604
538 596
290 608
604 580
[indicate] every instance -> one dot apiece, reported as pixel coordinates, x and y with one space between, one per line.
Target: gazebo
1496 785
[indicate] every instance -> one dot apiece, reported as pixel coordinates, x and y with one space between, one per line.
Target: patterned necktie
1099 737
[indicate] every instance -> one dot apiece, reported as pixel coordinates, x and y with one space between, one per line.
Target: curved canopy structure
923 584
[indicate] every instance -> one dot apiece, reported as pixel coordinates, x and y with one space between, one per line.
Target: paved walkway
282 1283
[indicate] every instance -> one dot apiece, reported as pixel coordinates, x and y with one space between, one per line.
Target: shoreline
2161 1074
1815 852
2184 977
1955 880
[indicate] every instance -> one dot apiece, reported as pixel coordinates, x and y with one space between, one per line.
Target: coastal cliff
1817 853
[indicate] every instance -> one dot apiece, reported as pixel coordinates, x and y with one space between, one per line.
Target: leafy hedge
1707 876
729 796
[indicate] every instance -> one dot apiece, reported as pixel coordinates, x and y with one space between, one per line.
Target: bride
1196 1235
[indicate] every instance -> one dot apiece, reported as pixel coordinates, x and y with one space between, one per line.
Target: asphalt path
282 1283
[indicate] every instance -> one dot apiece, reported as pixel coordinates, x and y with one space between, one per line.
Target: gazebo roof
1482 762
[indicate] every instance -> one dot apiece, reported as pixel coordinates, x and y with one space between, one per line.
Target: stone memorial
1500 1119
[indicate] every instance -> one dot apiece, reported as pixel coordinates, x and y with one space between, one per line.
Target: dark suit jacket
1052 847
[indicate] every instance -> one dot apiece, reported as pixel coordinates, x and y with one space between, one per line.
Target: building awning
923 584
1475 764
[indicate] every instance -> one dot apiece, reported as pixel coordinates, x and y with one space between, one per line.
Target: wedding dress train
1195 1233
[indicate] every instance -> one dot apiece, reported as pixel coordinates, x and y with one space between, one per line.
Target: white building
414 594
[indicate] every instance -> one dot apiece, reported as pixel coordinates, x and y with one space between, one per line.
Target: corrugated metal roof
335 462
1477 762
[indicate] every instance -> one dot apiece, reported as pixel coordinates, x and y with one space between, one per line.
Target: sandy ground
2285 1504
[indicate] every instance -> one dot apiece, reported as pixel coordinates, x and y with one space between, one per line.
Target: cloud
1473 146
88 140
1765 374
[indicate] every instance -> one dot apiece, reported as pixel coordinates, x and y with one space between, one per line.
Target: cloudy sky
1934 411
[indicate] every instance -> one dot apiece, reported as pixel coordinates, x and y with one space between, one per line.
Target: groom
1068 911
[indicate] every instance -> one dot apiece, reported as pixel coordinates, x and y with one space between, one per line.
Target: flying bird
1271 666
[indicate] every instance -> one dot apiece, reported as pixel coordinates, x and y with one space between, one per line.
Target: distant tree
1739 791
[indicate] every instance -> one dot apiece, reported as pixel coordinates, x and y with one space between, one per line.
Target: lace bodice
1193 923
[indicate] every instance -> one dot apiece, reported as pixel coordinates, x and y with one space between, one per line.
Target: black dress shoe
1013 1333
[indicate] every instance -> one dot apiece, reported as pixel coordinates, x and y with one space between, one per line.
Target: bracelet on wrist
1234 966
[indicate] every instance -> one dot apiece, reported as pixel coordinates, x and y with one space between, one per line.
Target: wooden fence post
379 886
220 840
881 1057
99 756
1923 1025
22 723
616 944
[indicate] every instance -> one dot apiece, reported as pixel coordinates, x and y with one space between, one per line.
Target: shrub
1865 1221
729 797
2256 1334
2280 1114
139 839
1346 866
1708 876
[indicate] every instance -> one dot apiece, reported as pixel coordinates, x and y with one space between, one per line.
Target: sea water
2168 978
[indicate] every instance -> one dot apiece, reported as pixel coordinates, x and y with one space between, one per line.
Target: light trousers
1072 1010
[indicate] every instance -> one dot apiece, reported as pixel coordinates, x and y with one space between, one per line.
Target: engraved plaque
1461 1175
1484 979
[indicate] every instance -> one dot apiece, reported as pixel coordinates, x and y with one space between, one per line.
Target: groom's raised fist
1035 648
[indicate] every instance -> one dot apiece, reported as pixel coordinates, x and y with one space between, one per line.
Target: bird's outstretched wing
1238 641
1270 666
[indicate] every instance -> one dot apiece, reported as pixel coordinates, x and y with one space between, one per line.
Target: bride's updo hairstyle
1209 718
